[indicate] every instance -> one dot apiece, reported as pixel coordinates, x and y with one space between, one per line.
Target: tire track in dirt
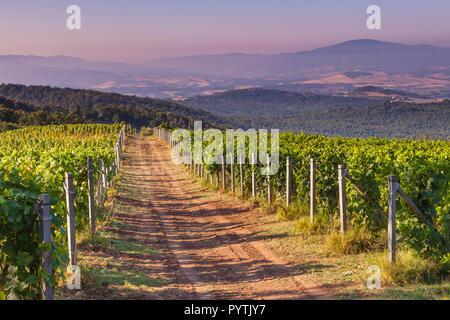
220 257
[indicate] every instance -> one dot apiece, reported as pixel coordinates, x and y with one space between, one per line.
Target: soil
203 245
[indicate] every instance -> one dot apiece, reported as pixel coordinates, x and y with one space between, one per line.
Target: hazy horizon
212 54
140 31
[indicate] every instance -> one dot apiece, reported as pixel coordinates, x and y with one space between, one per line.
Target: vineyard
73 164
34 161
422 169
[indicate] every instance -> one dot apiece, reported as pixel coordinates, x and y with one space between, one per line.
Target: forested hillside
257 102
399 119
38 105
100 107
15 114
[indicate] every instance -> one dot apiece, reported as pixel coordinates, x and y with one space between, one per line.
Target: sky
142 30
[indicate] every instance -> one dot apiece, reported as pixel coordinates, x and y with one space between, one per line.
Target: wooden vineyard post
70 218
232 173
288 181
312 190
91 197
203 172
342 202
253 175
392 191
45 236
269 187
224 182
241 173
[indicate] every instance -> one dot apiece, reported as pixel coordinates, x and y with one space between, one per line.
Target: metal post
217 177
392 191
232 173
342 202
45 236
241 173
91 198
312 190
100 185
288 181
253 175
224 182
70 218
118 158
104 179
269 187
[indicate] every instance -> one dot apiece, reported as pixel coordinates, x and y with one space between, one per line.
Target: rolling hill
104 107
260 102
27 105
389 119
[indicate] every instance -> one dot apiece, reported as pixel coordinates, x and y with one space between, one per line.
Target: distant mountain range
336 70
369 55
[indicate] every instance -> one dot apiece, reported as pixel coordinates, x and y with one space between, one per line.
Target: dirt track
206 248
219 257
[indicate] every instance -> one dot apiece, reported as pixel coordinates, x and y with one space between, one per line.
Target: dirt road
206 247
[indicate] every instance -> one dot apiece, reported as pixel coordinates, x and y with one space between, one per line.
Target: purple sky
138 30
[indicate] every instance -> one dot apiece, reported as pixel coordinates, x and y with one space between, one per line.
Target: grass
122 278
322 255
100 238
346 274
296 210
355 240
146 132
423 292
320 225
131 247
409 269
107 259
